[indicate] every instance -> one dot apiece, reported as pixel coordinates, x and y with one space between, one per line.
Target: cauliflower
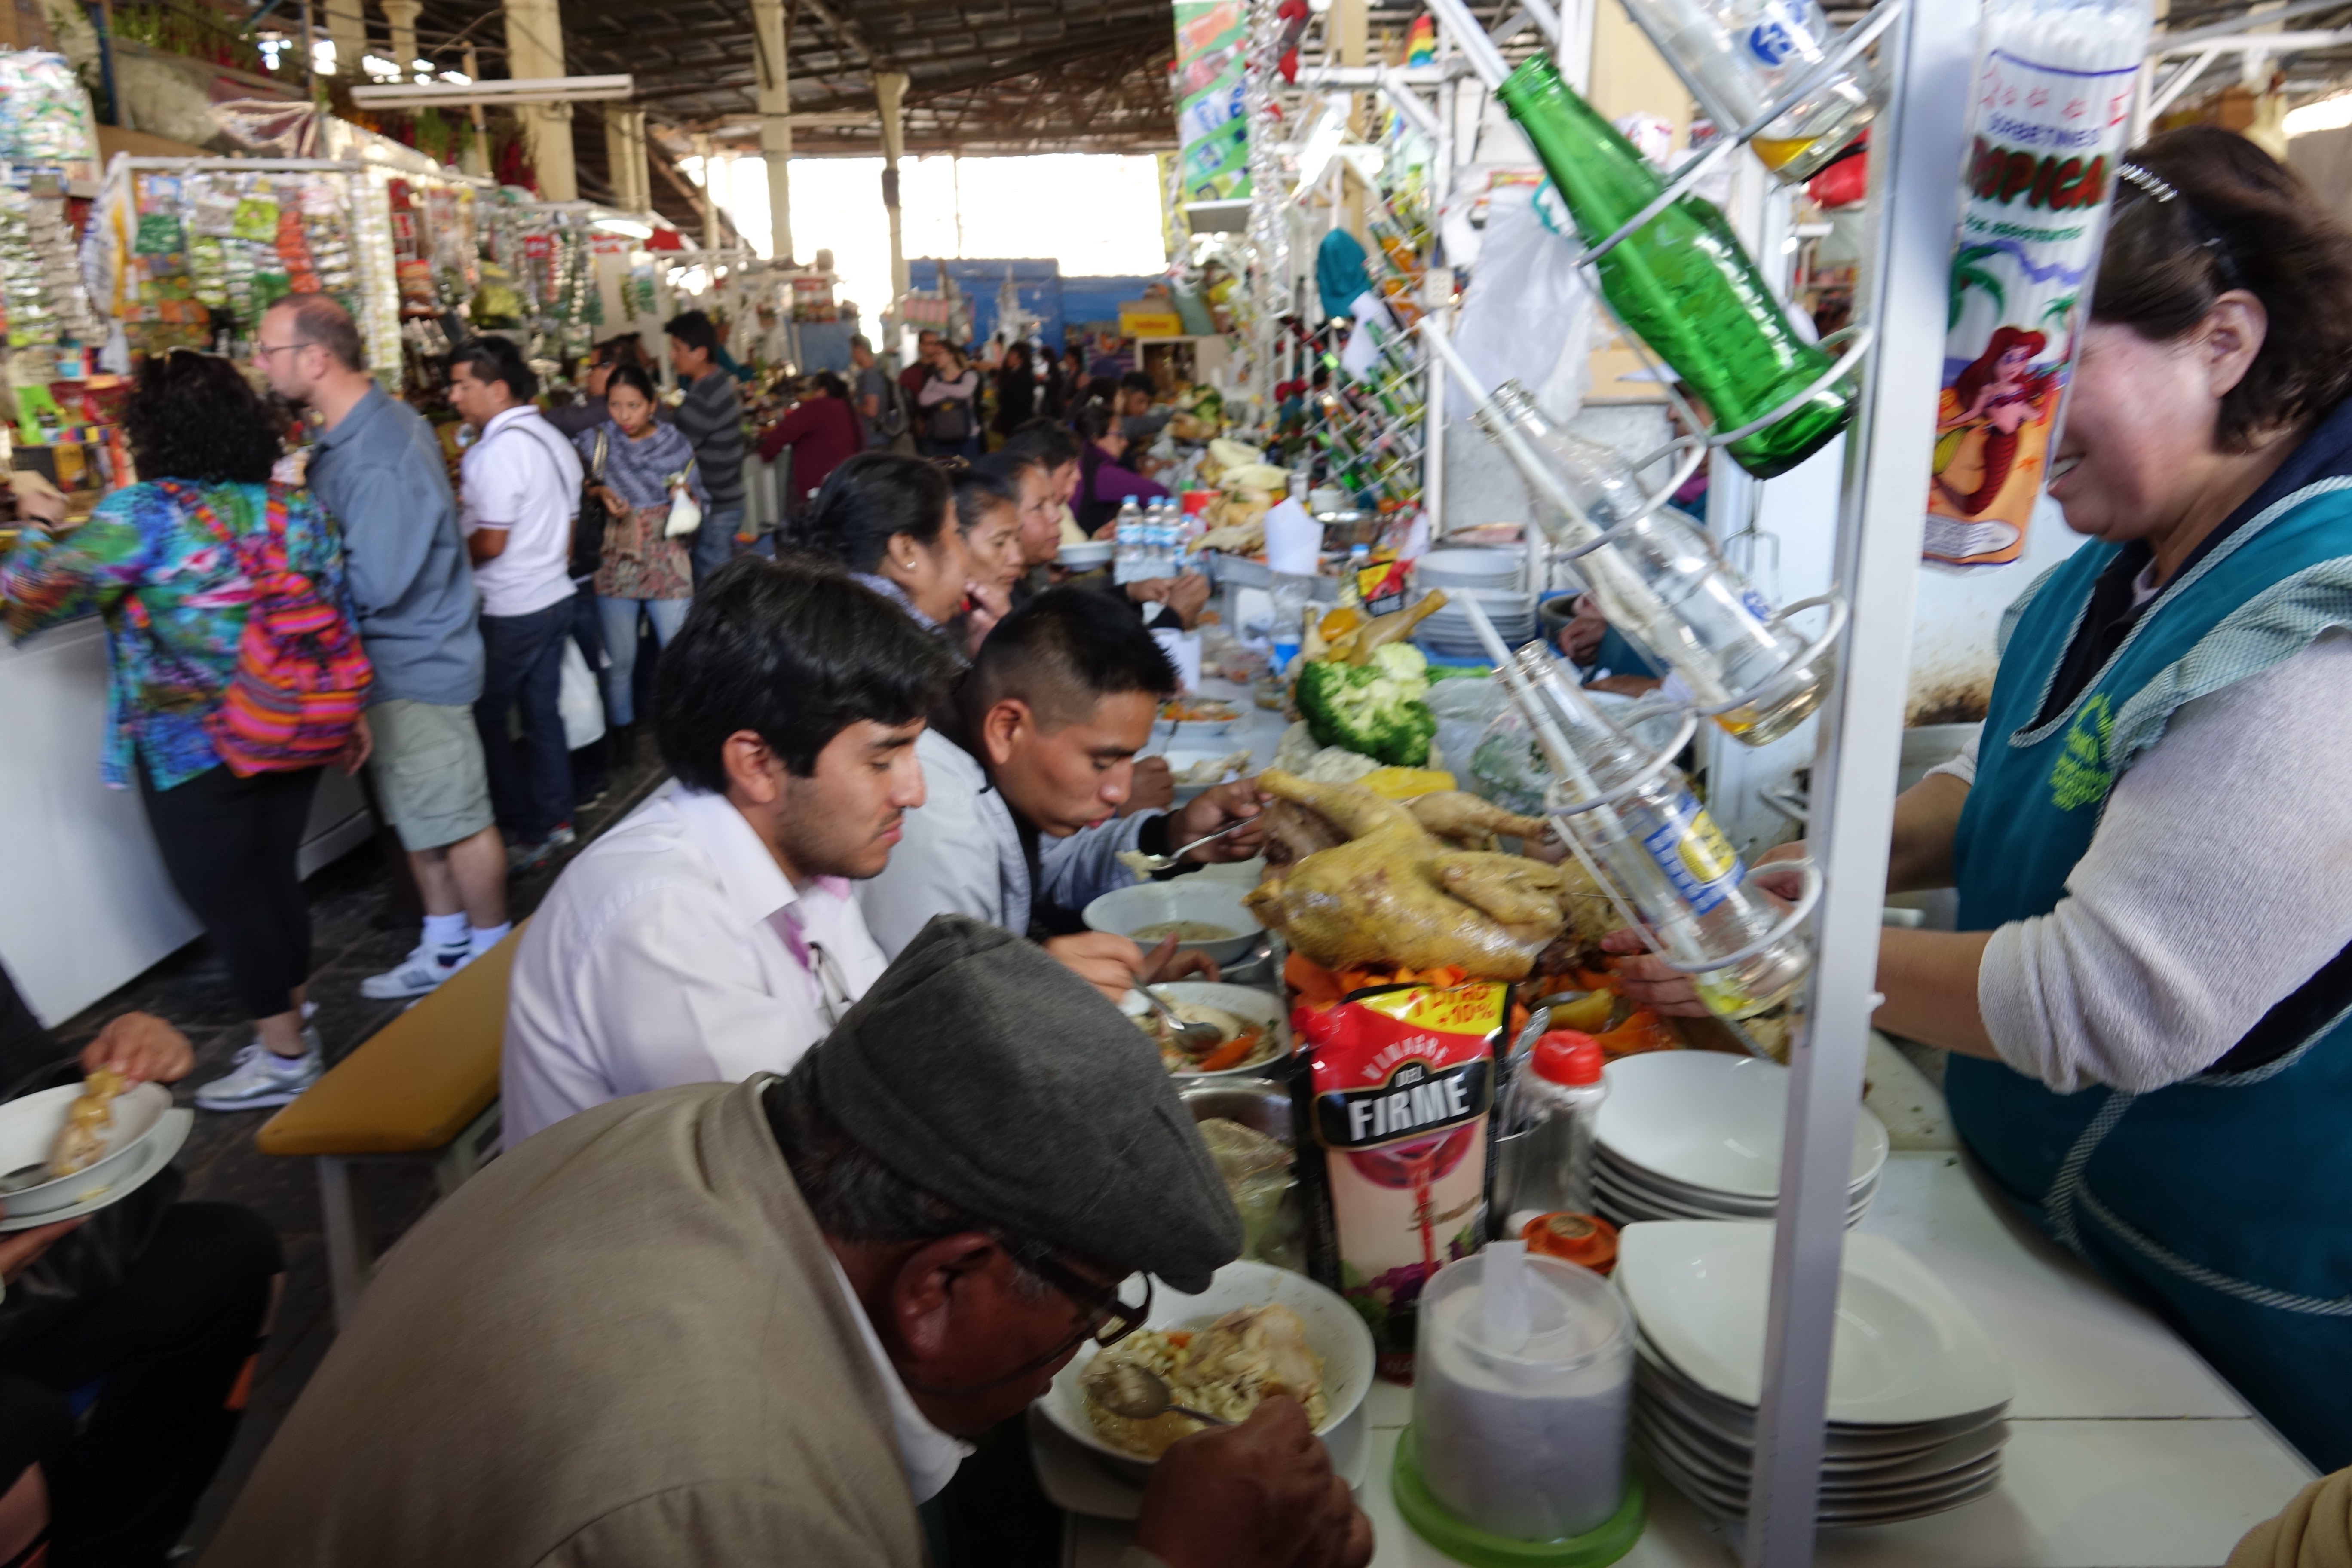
1375 708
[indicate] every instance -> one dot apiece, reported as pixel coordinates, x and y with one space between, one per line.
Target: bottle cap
1566 1057
1130 500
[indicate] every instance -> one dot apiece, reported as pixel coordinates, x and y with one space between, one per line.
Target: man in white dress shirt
712 933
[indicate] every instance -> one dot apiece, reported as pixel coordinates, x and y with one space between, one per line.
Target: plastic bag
1528 316
580 702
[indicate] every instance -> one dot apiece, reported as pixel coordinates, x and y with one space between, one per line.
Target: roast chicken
1397 894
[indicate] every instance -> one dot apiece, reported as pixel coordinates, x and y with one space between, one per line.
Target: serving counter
85 905
2125 1449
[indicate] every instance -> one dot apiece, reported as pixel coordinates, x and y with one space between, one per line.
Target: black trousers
230 845
167 1350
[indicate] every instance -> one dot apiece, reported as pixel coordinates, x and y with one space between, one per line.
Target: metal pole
1916 146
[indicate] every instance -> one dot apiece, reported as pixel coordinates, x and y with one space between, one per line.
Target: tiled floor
348 944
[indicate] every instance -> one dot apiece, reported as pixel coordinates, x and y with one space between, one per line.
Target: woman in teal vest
2148 1002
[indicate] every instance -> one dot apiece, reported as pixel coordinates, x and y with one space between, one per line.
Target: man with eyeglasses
755 1324
377 469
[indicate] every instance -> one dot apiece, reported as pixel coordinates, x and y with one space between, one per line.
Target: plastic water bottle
1662 850
1290 630
1163 537
1739 57
1127 563
1555 1100
1663 582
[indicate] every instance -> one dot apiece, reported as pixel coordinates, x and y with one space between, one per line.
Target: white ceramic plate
139 1165
1181 760
1333 1329
1713 1122
1077 1480
1085 557
1127 909
1905 1349
1848 1447
1258 1006
1727 1503
1849 1491
29 1129
1621 1205
1632 1178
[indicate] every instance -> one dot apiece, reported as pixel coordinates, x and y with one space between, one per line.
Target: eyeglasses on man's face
1108 1319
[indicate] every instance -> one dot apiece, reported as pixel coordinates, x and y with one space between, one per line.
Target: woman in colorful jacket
156 560
2148 1002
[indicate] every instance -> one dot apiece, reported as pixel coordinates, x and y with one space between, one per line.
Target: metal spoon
1138 1393
24 1176
1144 865
1192 1039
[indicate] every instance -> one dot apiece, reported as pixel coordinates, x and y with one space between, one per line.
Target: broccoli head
1374 709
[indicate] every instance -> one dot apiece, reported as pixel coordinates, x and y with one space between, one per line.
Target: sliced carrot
1312 984
1232 1053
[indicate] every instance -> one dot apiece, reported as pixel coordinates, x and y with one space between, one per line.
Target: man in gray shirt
712 418
378 472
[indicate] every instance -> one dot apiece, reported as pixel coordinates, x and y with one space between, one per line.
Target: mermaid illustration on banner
2000 394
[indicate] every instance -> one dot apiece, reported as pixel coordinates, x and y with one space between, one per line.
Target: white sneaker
419 973
261 1078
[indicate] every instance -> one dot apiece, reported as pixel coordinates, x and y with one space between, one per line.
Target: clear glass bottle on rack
1664 584
1739 57
1663 851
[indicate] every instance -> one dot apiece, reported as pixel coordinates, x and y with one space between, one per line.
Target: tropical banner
1206 83
2052 115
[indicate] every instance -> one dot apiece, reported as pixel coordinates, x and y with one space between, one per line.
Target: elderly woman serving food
2149 1001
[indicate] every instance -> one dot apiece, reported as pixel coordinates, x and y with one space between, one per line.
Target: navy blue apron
2224 1200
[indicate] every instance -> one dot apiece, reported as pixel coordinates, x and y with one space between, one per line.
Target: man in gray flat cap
751 1323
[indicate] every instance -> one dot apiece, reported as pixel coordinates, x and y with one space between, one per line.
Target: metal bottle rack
1925 57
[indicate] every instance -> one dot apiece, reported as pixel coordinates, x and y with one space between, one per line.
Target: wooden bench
423 1090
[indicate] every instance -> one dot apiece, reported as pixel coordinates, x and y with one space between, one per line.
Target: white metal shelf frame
1925 59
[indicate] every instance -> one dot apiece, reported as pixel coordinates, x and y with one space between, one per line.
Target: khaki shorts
427 766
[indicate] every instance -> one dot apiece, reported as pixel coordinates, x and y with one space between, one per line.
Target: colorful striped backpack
301 679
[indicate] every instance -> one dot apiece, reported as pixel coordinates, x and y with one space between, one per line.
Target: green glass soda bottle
1682 280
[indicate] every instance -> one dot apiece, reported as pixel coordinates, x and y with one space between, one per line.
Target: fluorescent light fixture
378 66
425 65
623 225
1322 142
503 90
2327 114
323 56
460 78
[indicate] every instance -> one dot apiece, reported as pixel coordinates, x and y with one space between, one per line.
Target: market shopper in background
1104 484
712 933
918 368
712 418
637 466
378 472
891 521
1139 421
151 560
948 407
589 412
882 417
743 1324
1016 391
522 491
820 432
1024 778
2147 1003
127 1337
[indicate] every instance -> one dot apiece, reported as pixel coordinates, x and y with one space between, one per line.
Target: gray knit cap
986 1072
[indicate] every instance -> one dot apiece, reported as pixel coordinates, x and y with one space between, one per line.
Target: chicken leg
1469 821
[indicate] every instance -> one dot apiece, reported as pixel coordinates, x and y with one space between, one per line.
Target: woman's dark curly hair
2235 219
194 416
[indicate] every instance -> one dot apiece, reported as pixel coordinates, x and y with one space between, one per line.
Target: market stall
1830 1337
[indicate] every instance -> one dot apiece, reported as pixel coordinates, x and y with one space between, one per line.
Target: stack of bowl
1490 577
1695 1135
1916 1391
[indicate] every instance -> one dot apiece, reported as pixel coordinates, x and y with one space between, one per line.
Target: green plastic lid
1604 1544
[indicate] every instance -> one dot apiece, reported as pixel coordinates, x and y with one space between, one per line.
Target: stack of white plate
1916 1391
1489 576
1696 1135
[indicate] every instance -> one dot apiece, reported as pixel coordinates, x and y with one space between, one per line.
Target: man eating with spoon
1024 777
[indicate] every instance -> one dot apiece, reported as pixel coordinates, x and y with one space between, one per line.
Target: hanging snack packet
1402 1078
